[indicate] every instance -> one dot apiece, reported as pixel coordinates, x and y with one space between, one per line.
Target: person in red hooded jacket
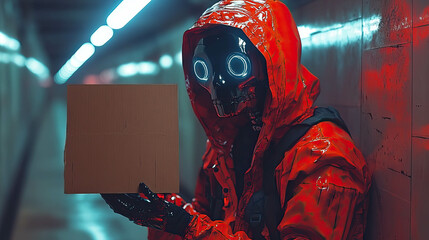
248 89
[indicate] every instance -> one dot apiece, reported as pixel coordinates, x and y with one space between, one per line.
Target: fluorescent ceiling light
142 68
9 42
33 65
305 31
36 67
74 63
5 57
84 52
148 68
178 58
338 34
166 61
128 70
101 35
19 60
62 77
124 12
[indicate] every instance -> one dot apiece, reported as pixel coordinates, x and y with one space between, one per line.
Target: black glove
151 212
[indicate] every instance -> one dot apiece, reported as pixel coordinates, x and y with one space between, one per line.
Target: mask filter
232 70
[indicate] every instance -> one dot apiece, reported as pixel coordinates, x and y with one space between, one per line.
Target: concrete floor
45 212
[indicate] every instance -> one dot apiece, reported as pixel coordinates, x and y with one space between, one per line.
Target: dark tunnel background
371 57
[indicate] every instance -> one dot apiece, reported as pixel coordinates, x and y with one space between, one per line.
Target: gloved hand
151 212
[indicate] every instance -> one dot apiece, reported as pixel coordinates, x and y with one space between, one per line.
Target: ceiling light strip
119 17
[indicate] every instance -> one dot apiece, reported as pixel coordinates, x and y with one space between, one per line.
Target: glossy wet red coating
322 181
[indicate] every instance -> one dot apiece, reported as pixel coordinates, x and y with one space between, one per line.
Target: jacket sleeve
326 188
325 195
322 206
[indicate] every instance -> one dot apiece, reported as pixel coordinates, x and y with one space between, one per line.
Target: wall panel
420 12
386 108
394 19
421 82
380 79
420 190
389 212
333 56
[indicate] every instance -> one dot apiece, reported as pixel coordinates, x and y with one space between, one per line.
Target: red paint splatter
389 86
420 35
424 130
422 17
427 145
387 89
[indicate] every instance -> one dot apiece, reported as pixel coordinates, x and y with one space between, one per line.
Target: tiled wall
372 59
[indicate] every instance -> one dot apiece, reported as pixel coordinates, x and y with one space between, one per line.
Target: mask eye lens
238 65
201 70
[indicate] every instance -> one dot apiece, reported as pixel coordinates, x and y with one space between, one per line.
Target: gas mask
233 71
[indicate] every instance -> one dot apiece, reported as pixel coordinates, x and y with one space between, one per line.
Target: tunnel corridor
44 211
370 56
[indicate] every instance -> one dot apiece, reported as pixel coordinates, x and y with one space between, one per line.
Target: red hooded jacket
324 175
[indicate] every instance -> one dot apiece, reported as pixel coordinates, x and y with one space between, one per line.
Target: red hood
293 89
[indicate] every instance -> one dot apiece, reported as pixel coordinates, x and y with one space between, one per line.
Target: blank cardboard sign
119 136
